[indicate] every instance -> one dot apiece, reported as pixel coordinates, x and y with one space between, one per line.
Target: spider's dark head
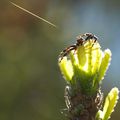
80 40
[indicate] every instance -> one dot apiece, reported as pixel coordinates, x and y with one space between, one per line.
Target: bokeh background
31 85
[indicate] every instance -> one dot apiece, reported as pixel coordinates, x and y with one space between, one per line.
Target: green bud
86 65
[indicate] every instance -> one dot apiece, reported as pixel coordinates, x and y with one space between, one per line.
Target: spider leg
66 51
90 36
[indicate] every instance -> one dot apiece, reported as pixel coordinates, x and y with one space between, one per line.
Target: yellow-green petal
104 64
110 103
66 68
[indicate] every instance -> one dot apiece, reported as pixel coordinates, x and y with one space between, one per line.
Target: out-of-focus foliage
31 86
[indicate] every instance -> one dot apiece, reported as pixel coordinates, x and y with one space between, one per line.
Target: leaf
66 69
104 64
110 103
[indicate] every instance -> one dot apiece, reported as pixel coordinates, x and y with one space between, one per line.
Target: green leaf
104 64
110 103
66 69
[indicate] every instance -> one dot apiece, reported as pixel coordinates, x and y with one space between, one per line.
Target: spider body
81 39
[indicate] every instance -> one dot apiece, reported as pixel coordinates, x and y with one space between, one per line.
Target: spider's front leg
66 51
90 36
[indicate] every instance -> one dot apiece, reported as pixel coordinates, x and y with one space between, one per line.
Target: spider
81 39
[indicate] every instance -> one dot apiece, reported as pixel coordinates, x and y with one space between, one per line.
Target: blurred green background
31 85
